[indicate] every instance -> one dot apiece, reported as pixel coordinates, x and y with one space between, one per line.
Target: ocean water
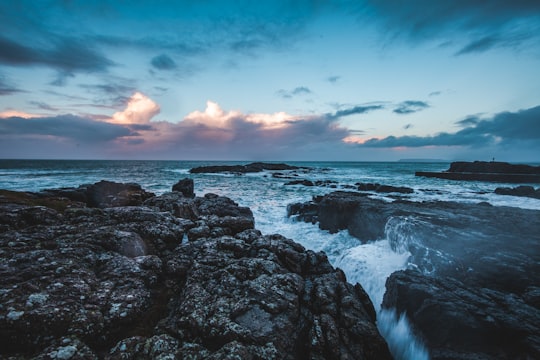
368 264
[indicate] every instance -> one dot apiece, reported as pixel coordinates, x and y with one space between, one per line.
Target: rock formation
243 169
487 171
174 277
473 290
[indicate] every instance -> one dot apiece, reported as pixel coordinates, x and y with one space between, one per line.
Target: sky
342 80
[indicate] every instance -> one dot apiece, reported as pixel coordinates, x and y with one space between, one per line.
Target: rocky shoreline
472 289
111 271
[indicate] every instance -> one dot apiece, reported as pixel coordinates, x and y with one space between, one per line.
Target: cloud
503 129
163 62
410 106
67 55
140 109
484 24
7 88
359 109
297 91
63 126
333 79
42 105
215 132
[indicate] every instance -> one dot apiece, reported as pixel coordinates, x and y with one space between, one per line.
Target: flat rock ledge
243 169
174 277
493 171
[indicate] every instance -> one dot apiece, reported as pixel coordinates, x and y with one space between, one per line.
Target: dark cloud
485 24
163 62
333 79
61 78
300 90
505 129
64 126
435 93
111 94
360 109
7 88
65 54
42 105
410 106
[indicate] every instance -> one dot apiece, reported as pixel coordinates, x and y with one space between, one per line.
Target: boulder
186 187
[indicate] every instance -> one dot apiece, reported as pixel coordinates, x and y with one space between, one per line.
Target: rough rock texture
124 283
525 191
470 260
242 169
102 194
457 321
186 187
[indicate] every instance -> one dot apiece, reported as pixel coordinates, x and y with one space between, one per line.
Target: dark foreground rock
456 321
243 169
124 283
102 194
488 171
477 269
186 187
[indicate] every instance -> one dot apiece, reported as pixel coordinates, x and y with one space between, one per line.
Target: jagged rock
186 187
462 322
122 283
477 269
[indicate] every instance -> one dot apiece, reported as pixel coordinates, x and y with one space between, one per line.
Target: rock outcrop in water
123 282
243 169
487 171
524 191
473 290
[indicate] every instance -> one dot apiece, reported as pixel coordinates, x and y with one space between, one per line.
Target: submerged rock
123 282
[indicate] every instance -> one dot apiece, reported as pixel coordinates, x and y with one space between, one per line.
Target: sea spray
370 265
400 337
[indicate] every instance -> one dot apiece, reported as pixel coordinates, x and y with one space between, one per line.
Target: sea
369 264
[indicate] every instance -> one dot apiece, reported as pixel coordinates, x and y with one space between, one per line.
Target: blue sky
270 80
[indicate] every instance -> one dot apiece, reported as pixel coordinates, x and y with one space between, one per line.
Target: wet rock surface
475 269
124 282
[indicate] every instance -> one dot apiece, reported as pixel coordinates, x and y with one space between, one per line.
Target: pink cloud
140 109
